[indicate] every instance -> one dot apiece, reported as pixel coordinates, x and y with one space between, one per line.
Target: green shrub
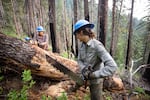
139 90
62 97
87 97
27 84
45 97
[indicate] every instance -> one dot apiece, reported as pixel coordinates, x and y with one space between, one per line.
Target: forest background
19 18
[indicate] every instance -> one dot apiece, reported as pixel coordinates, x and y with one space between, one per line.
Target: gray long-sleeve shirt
95 55
41 39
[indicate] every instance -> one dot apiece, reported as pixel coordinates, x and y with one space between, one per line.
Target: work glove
85 73
88 74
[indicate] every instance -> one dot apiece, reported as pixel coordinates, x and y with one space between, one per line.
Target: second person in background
41 38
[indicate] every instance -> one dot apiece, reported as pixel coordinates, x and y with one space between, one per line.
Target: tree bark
65 27
75 20
86 10
112 46
102 20
30 17
52 24
14 17
18 55
129 45
1 15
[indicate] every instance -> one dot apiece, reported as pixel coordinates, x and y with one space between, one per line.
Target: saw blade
65 70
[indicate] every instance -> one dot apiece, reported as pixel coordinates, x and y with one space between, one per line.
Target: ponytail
89 32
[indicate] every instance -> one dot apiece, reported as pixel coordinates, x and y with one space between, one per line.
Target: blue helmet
40 28
81 23
27 38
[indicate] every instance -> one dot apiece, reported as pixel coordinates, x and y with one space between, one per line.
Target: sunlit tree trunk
52 25
129 45
86 10
102 20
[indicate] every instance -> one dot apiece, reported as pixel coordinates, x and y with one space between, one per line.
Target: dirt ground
45 86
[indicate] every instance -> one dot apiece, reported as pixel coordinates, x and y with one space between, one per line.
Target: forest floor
13 81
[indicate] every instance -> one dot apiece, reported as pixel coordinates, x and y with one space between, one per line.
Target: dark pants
96 91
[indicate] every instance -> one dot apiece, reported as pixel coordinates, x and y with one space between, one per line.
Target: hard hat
27 38
40 28
82 23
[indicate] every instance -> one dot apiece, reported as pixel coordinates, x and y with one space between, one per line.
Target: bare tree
52 25
129 45
102 20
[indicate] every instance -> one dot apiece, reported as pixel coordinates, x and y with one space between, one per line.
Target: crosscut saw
79 81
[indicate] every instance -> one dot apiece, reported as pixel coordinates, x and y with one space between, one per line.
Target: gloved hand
85 73
88 73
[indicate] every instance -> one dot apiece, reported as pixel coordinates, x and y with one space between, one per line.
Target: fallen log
18 55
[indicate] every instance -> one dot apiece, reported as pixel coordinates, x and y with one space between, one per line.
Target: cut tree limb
19 55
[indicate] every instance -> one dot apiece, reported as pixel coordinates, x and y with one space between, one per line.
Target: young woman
94 61
41 37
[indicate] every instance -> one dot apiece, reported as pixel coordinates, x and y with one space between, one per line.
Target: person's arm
110 65
35 39
45 40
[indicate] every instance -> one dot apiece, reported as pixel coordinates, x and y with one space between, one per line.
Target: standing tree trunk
102 24
65 34
113 43
13 2
75 20
52 24
27 15
129 45
102 20
30 16
35 20
39 13
86 10
1 15
92 11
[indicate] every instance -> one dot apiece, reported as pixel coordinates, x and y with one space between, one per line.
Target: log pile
18 55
